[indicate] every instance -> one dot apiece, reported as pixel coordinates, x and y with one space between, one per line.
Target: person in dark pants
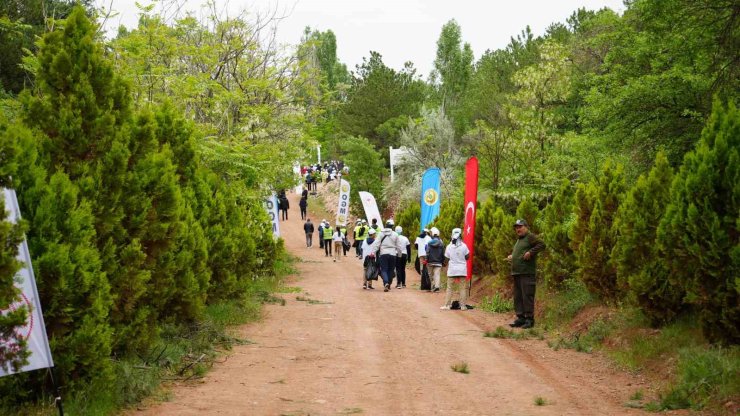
284 206
388 248
328 233
403 260
321 234
303 204
523 260
308 229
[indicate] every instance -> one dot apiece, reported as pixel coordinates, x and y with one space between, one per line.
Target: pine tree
483 259
640 269
558 262
593 237
699 236
529 211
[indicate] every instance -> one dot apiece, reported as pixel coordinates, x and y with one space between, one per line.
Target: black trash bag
372 270
417 265
456 305
426 282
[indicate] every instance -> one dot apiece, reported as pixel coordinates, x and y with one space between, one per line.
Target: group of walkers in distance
325 173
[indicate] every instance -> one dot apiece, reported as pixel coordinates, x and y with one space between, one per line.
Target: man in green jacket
523 260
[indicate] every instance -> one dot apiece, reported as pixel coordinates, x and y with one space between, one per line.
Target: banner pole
57 396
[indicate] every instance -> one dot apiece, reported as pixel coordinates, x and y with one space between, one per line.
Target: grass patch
351 411
588 341
540 401
504 333
461 367
497 304
705 375
638 395
561 307
290 289
312 301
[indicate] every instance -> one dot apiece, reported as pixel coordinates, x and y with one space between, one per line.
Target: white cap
371 231
456 233
390 221
435 231
399 230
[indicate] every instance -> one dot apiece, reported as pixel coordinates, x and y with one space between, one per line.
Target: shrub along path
336 349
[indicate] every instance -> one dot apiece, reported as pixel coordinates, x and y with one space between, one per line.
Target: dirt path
376 353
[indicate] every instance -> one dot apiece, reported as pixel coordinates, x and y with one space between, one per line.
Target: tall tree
453 67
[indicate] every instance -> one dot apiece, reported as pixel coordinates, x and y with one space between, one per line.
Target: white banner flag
34 332
297 171
272 211
371 208
343 208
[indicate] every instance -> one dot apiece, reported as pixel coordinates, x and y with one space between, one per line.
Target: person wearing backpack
387 247
359 234
457 254
345 242
435 259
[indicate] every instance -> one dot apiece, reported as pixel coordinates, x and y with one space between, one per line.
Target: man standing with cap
523 260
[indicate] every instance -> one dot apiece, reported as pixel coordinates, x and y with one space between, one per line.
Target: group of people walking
386 251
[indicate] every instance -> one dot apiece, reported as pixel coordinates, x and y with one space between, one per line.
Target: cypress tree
484 259
529 211
557 220
699 236
593 237
640 269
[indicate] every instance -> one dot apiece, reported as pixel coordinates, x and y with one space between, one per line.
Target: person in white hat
435 258
369 260
388 248
457 254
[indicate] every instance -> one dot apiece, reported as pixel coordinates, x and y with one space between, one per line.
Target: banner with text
343 208
271 206
371 208
429 196
34 331
471 202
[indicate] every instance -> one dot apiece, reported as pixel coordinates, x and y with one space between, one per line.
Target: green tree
367 171
453 67
557 220
378 94
593 237
699 236
641 271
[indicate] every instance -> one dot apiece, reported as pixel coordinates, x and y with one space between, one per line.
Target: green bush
640 269
699 236
592 238
409 218
558 261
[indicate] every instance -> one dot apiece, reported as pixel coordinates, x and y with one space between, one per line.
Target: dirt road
356 351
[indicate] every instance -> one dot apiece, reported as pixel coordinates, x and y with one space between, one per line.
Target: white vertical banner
371 208
396 156
297 171
343 207
272 211
34 332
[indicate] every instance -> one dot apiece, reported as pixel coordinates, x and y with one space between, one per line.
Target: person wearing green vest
360 234
328 232
523 260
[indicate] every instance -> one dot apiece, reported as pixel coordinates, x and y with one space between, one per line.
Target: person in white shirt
388 248
403 259
457 254
338 239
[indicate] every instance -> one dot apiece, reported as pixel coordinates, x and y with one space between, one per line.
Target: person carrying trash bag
371 269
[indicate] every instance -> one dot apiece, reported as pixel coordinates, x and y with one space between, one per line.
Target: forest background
142 162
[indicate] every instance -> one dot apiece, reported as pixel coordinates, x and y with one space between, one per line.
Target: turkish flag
471 204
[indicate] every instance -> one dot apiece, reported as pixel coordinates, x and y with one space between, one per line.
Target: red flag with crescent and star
471 204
